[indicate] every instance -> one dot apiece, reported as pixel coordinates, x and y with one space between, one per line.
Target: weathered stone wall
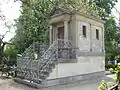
90 42
83 43
90 54
85 65
97 45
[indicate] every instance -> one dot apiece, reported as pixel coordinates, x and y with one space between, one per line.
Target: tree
11 52
106 6
33 23
110 38
5 23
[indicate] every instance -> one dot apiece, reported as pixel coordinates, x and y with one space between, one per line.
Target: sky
114 13
11 10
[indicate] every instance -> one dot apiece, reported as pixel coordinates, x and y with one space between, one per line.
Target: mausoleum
87 34
80 34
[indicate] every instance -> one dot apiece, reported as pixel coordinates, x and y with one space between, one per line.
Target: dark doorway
60 32
60 35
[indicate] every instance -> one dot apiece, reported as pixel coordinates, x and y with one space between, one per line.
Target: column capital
51 27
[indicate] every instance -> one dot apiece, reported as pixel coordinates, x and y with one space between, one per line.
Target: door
60 35
60 32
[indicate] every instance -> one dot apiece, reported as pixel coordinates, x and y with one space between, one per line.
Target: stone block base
85 78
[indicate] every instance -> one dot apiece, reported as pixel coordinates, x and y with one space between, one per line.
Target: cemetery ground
9 84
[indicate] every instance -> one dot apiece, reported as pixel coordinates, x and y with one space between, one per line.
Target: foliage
117 71
79 6
106 5
111 70
33 24
109 66
111 38
105 85
11 52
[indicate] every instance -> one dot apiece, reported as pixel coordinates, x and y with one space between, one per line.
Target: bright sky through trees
11 10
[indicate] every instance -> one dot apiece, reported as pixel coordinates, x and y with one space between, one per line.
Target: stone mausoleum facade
76 51
86 33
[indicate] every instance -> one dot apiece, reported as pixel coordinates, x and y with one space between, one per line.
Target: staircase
36 70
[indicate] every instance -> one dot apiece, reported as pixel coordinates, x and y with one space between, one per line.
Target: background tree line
33 25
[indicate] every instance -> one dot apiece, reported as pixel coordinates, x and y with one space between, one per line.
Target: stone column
51 36
54 32
66 29
66 53
90 38
103 46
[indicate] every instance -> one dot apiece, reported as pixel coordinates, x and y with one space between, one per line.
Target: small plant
117 76
117 73
111 70
105 85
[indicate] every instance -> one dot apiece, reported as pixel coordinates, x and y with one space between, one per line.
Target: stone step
38 81
46 71
43 76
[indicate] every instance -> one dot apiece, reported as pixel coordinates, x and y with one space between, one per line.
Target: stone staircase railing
37 70
35 48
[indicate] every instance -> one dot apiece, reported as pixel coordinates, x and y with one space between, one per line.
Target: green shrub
108 66
117 71
105 85
111 70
